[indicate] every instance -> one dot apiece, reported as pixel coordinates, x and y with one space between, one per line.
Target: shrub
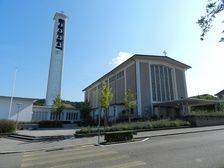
118 136
50 124
7 126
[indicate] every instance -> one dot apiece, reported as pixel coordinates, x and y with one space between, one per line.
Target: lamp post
12 94
19 105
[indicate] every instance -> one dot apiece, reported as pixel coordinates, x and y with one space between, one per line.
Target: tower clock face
60 34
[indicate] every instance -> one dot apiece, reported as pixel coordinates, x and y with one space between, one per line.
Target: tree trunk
129 115
105 118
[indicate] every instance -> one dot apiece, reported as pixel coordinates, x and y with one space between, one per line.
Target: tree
205 107
205 97
58 105
85 110
106 97
213 7
129 103
39 102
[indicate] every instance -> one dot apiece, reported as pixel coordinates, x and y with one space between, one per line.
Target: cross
164 52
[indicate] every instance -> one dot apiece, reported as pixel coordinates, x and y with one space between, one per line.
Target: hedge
118 136
146 125
205 114
7 126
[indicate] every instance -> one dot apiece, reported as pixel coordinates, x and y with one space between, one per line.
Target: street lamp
13 89
19 105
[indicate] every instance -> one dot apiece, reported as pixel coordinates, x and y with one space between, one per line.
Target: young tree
213 7
106 97
129 103
58 105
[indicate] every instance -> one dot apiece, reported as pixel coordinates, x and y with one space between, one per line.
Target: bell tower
56 61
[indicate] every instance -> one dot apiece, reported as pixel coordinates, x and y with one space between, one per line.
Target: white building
69 114
21 108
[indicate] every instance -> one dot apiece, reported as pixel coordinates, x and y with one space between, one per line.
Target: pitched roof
68 106
142 56
220 93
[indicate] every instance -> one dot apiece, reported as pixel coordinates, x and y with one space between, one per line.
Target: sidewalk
15 146
51 132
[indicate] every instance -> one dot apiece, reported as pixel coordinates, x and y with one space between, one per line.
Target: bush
118 136
7 126
50 124
89 130
205 114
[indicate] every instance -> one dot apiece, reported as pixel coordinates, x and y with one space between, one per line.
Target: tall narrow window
162 83
153 83
171 85
158 84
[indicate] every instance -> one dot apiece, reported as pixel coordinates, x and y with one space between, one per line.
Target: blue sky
100 34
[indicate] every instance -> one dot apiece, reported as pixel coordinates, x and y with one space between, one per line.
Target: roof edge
133 57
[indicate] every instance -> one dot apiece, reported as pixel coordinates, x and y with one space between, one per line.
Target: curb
178 133
46 149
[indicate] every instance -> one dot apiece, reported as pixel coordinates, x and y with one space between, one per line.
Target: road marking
198 160
89 162
128 165
43 161
85 146
61 154
40 153
144 139
124 143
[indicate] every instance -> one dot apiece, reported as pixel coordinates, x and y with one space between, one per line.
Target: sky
100 35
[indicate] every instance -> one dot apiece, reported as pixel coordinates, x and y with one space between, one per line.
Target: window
120 74
167 83
153 83
71 116
158 84
112 79
162 83
162 80
171 84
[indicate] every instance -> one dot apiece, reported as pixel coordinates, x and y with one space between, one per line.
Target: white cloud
122 56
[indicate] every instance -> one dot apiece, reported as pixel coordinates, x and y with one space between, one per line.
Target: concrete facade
56 61
21 108
152 79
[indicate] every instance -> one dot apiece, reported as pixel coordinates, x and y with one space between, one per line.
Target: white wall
23 105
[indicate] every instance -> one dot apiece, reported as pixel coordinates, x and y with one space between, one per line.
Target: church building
152 79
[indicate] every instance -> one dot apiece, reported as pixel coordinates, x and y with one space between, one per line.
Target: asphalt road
197 150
